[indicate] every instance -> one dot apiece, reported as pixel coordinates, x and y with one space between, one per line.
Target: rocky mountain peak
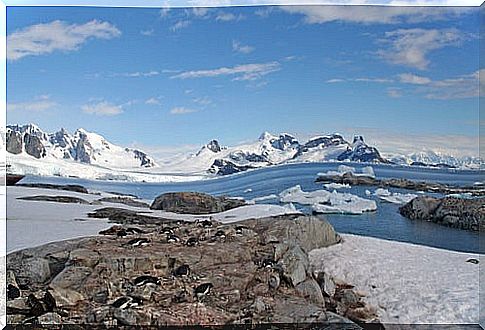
214 146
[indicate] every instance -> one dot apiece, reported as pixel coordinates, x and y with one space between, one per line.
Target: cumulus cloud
46 38
411 47
240 48
40 103
181 111
373 14
147 32
240 72
102 108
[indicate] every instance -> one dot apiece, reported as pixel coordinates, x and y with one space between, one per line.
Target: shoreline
203 177
408 283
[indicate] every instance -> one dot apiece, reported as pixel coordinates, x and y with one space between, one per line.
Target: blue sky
177 78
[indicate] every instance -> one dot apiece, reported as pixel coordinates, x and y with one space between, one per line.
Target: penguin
220 234
138 242
12 292
192 241
203 290
133 230
121 233
49 302
36 307
267 263
145 279
240 230
205 223
173 238
181 271
167 231
127 302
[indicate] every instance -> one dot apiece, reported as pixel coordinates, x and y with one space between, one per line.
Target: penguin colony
132 238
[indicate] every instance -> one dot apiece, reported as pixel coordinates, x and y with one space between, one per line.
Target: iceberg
396 198
323 201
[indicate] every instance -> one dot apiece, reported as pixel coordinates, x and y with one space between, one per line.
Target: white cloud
40 103
147 32
409 78
240 48
465 86
227 17
153 101
373 14
394 92
241 72
46 38
164 12
139 74
180 25
363 79
410 47
102 109
200 11
203 101
181 111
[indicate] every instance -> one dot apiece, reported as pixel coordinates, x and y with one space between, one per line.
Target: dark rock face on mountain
332 140
194 203
33 146
240 156
361 152
145 161
255 276
14 142
284 142
224 167
449 211
214 146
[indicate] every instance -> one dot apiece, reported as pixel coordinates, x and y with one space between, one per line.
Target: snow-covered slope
437 159
29 141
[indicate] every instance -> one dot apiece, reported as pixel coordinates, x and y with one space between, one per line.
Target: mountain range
29 148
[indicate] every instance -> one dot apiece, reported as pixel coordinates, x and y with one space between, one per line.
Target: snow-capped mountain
284 148
88 155
437 159
29 141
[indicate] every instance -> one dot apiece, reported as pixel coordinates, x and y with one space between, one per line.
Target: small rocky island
149 270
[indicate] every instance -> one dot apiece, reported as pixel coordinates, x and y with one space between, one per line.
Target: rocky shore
147 270
352 179
454 212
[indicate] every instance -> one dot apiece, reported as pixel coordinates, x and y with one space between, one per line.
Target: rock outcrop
194 203
258 270
355 180
449 211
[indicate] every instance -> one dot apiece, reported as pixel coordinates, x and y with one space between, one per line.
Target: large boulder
194 203
462 213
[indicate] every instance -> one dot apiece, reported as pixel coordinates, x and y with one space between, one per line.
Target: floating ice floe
396 198
261 199
334 185
367 171
323 201
248 190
